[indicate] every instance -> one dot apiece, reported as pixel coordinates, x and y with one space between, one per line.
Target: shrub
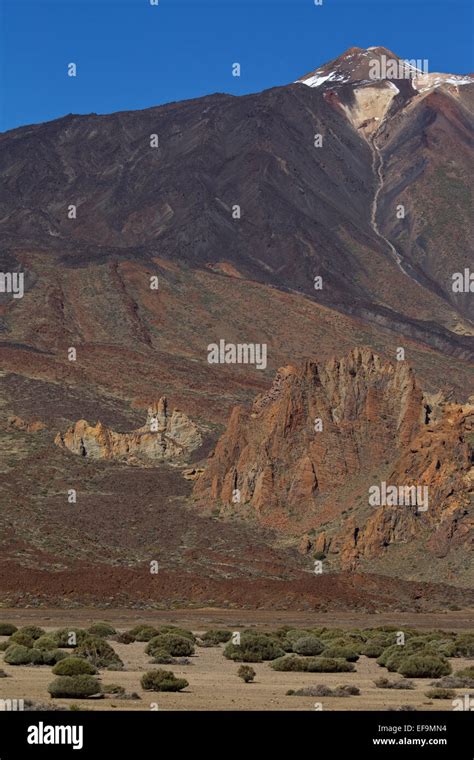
308 646
216 636
445 648
45 642
254 647
342 653
372 649
64 639
246 673
467 672
440 693
6 629
346 691
74 666
143 632
32 630
454 682
162 680
321 690
424 666
176 646
465 645
113 688
293 634
125 638
290 663
102 630
74 686
161 657
4 645
22 638
394 662
17 654
99 652
52 656
384 683
173 629
36 656
332 633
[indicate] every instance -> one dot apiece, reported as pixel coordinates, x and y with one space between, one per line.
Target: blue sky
132 55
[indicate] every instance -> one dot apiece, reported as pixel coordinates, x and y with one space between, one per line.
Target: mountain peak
367 66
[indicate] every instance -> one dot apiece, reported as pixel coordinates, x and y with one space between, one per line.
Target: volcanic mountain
317 217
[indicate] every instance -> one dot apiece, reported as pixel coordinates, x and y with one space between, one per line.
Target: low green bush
424 666
254 647
162 680
52 656
176 646
467 672
99 652
440 693
341 653
143 632
17 654
465 645
81 686
102 630
46 642
32 630
308 646
22 638
74 666
372 649
161 657
6 629
292 663
216 636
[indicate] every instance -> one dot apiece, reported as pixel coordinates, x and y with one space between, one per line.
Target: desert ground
213 680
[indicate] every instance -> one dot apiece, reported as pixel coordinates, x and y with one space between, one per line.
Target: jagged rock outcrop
164 437
303 458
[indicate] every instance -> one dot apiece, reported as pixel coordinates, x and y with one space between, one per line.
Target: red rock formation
273 463
163 437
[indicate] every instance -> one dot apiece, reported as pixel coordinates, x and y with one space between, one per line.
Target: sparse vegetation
176 646
80 686
6 629
254 647
440 693
100 653
321 690
384 683
290 663
308 646
74 666
162 680
143 632
216 636
102 630
424 666
246 673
